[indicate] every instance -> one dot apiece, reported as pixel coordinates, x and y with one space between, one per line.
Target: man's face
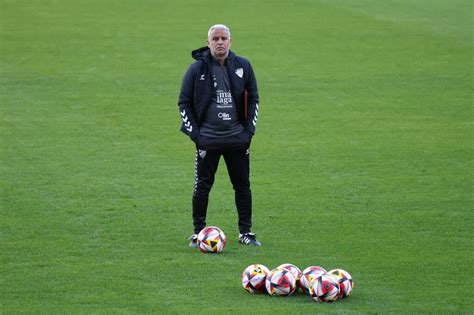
219 43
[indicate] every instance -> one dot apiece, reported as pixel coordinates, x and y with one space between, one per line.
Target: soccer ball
294 270
253 278
280 282
211 239
345 282
324 289
309 275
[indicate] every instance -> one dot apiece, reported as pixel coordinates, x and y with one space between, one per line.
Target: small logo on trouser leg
247 152
202 153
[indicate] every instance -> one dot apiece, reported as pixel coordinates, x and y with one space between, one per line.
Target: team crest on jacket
202 154
239 72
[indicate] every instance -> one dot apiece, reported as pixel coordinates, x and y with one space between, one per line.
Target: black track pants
237 161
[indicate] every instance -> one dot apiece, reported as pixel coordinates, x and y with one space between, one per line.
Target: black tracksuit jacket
197 90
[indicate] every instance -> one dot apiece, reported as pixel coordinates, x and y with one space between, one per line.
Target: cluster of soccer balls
284 280
321 285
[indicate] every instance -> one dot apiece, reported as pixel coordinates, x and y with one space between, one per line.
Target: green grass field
363 157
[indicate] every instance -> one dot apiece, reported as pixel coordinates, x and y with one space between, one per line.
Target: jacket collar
204 53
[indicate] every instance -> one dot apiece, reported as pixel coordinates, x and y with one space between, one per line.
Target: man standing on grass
218 104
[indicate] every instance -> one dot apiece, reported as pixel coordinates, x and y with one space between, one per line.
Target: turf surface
362 158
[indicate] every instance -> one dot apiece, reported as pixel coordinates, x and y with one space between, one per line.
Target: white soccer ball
324 289
253 278
294 270
211 239
309 275
345 282
280 282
